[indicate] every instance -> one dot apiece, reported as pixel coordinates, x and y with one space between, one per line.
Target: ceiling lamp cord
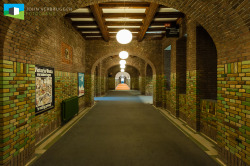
124 36
124 14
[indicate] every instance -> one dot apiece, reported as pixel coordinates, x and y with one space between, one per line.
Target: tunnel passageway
124 132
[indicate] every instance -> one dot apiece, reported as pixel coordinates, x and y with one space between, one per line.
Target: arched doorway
121 78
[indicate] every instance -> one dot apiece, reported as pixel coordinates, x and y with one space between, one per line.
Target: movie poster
80 84
44 89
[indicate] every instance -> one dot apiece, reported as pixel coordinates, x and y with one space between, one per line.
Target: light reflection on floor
143 99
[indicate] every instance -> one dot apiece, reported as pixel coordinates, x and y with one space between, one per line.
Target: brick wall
24 44
17 103
182 107
233 111
181 63
208 124
65 87
149 81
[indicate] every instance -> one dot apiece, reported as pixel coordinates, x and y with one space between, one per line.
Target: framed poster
67 53
45 98
80 84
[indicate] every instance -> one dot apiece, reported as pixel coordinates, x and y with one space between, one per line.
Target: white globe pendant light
122 62
124 36
122 66
122 70
123 54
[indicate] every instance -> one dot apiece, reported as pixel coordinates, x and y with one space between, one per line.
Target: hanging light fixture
122 70
124 36
122 66
122 62
123 54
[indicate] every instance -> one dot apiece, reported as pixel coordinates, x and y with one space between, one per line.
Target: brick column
192 101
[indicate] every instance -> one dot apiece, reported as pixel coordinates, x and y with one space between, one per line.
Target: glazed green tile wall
157 83
17 108
173 95
233 110
191 100
182 106
208 120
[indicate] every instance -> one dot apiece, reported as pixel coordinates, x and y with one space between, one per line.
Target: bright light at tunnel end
122 70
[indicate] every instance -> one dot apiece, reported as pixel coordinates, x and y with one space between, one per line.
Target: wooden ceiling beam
83 23
91 34
130 23
114 34
79 15
150 13
122 5
97 12
94 38
169 15
88 29
118 29
161 22
123 15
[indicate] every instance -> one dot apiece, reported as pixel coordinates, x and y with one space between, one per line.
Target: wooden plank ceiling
104 20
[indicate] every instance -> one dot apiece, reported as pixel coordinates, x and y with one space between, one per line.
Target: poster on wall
67 53
80 84
44 89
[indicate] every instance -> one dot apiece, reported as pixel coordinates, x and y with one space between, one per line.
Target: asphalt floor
121 130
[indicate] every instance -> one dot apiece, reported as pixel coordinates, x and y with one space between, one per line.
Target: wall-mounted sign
172 30
80 84
67 53
44 89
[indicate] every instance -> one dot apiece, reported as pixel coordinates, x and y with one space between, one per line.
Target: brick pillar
142 84
99 80
192 100
157 95
173 91
103 80
142 79
89 89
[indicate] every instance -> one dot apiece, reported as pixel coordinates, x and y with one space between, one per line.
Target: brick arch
113 65
126 74
136 62
106 56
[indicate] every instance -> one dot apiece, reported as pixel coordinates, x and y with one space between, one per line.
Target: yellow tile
21 67
14 67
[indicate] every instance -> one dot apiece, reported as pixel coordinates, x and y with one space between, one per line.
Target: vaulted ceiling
104 20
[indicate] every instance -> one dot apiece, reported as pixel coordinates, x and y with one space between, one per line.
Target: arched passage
122 81
140 66
133 75
125 76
